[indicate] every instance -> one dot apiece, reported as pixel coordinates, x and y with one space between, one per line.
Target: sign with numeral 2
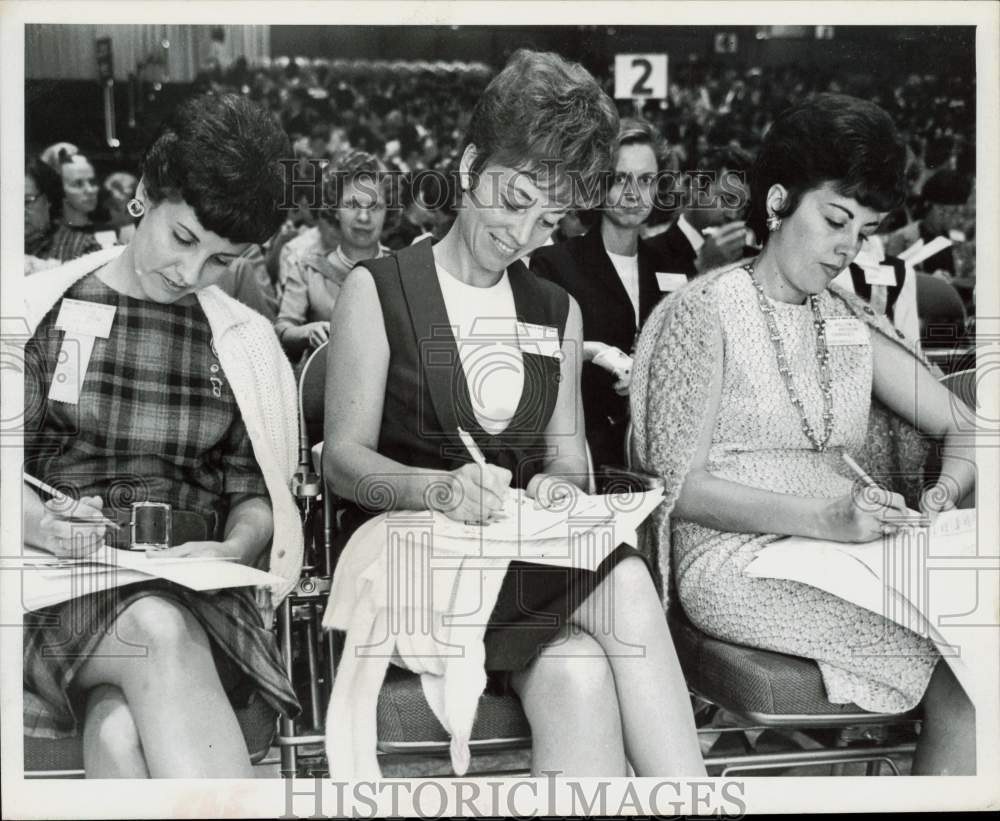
640 76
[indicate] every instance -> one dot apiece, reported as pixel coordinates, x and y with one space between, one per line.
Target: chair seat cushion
404 716
748 680
257 720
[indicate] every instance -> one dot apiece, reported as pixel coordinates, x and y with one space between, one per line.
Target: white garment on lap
628 273
484 323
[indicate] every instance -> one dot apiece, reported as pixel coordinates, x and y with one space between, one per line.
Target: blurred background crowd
376 106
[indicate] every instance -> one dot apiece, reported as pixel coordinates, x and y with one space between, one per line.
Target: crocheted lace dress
758 441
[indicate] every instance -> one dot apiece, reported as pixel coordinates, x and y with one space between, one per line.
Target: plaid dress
155 421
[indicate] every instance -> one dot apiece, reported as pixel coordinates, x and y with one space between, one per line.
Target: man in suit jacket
707 233
612 274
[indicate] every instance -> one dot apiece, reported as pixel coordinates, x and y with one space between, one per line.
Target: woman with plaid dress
185 399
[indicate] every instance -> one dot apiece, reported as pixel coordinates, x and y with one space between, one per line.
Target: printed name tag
846 330
83 322
880 275
79 317
542 340
670 282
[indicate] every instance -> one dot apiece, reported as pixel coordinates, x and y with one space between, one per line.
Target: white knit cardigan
262 383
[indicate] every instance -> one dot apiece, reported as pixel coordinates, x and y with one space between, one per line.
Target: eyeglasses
31 200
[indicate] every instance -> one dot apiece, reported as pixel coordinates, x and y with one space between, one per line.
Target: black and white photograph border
401 793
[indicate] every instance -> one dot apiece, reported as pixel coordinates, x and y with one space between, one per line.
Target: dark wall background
73 109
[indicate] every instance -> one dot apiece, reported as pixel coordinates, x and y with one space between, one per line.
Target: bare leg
625 617
111 746
947 743
569 697
186 725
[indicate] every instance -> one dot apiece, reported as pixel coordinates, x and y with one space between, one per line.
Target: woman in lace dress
757 378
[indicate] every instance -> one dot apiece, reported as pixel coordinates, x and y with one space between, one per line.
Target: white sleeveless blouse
484 323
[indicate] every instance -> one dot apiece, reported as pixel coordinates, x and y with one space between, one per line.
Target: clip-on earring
773 222
135 208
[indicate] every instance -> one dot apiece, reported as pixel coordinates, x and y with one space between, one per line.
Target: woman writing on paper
460 335
752 383
183 396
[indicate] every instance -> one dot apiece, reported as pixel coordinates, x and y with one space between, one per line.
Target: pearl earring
773 222
135 208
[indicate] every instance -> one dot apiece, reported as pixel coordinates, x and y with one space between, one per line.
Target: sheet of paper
49 579
897 579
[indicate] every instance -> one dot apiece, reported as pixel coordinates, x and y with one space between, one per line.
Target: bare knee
109 727
160 625
572 672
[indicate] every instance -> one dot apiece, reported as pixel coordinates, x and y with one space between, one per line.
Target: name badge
82 322
79 317
106 238
670 282
846 330
880 275
542 340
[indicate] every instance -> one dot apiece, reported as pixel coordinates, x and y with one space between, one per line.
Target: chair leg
286 726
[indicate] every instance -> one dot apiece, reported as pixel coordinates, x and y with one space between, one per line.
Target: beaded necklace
822 358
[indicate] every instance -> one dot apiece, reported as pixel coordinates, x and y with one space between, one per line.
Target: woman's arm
737 508
249 528
565 435
357 369
909 389
291 327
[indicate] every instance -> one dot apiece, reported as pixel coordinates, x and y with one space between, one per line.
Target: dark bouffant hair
46 179
220 154
549 118
829 138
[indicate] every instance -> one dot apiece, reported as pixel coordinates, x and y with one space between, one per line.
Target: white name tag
846 330
542 340
83 322
670 282
79 317
880 275
106 238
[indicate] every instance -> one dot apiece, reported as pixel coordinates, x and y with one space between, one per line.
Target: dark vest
426 396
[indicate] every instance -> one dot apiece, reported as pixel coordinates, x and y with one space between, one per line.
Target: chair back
312 388
941 311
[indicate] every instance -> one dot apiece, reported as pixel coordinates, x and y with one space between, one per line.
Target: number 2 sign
640 76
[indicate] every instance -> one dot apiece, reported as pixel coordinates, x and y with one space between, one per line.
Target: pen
869 482
470 445
62 498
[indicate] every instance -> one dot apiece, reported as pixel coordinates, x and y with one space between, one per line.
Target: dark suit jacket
582 267
675 251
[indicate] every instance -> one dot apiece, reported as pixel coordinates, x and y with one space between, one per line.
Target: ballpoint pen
901 516
62 498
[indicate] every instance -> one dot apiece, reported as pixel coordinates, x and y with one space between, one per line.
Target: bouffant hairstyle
221 155
550 119
847 142
360 167
634 131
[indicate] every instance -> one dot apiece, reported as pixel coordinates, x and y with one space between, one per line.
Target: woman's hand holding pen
864 516
67 530
476 493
